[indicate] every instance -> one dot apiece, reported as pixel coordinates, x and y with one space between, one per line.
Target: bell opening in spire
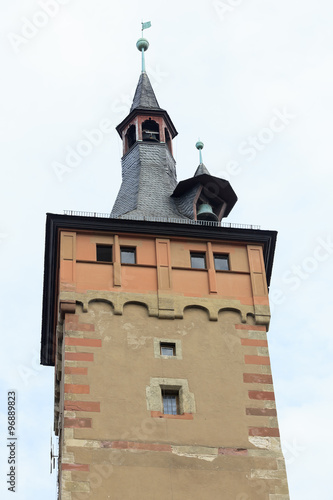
130 137
168 140
150 131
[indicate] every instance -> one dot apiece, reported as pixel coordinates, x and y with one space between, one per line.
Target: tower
155 319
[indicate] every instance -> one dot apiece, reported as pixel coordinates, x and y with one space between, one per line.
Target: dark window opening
198 260
168 139
131 136
150 131
127 255
168 349
170 402
104 253
221 262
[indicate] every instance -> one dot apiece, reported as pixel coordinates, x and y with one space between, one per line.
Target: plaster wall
115 440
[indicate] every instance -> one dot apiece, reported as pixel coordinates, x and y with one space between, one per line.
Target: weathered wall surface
115 440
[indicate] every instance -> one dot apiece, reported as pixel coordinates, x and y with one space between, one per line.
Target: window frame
131 250
174 393
198 255
178 351
168 345
219 255
104 245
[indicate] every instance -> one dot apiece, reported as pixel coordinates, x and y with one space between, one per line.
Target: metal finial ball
199 145
142 43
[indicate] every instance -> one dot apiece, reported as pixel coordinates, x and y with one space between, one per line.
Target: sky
253 80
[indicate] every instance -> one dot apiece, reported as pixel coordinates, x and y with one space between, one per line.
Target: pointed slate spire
202 169
144 97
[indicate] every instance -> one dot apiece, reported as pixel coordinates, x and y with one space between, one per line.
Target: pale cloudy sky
253 80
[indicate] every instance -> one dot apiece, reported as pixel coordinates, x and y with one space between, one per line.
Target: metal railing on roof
233 225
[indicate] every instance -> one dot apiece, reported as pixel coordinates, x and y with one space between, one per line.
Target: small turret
203 196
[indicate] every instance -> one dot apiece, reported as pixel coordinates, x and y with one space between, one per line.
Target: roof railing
233 225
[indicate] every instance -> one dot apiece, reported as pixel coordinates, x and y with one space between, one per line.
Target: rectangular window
170 402
221 262
168 349
127 255
198 260
104 253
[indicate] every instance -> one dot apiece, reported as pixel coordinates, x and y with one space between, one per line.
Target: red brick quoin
256 360
77 423
72 323
79 356
262 395
257 378
83 342
77 389
73 370
90 406
257 328
76 467
264 431
254 342
264 412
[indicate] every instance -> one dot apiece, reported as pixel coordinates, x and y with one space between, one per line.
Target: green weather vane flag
145 26
143 44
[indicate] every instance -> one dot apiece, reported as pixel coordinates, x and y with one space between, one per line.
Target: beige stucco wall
115 440
207 457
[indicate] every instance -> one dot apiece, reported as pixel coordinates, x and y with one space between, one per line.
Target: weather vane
143 44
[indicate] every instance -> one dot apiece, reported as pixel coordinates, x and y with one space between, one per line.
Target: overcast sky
253 80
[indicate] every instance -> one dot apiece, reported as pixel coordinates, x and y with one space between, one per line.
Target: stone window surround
157 348
154 394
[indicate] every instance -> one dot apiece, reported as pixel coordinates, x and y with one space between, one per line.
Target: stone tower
155 319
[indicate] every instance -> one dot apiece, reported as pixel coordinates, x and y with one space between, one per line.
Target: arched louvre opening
130 137
168 140
150 131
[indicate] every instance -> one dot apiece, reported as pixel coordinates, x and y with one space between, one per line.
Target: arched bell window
168 139
130 137
150 131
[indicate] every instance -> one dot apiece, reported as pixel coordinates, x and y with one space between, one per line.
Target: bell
148 135
205 212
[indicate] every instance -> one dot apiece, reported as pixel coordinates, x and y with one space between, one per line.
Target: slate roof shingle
144 97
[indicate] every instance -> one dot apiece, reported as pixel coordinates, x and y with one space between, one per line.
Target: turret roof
202 169
144 97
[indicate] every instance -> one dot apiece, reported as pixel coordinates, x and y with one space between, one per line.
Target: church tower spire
149 186
148 166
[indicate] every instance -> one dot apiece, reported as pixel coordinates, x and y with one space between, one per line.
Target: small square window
170 402
127 255
221 262
104 253
168 349
198 260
